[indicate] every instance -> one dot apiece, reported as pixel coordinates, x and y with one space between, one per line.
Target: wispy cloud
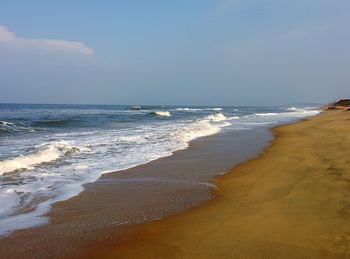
6 35
9 37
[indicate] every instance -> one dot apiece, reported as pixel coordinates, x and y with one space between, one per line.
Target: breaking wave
291 112
217 117
161 113
9 127
209 125
292 109
302 110
44 154
198 109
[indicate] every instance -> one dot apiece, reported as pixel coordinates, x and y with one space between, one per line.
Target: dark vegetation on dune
341 104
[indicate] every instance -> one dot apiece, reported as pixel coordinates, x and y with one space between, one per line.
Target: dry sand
291 202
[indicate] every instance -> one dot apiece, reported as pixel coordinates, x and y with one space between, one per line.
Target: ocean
48 152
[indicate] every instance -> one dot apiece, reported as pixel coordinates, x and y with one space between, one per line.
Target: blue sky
200 52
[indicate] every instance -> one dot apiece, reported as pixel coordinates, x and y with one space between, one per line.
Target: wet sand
291 202
109 210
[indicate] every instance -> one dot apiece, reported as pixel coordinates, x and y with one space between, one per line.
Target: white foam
292 109
201 128
198 109
132 138
188 109
217 117
266 114
308 111
44 154
161 113
292 112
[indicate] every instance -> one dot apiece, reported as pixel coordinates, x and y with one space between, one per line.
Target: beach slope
291 202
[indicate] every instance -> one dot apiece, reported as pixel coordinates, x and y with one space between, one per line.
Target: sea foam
43 154
161 113
198 109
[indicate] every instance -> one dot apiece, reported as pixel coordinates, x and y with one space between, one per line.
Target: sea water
48 152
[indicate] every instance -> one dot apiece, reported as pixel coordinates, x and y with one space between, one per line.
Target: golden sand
291 202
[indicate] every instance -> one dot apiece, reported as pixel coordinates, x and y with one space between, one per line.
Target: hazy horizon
209 53
312 104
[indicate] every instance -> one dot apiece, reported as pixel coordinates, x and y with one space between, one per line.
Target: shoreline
290 202
99 212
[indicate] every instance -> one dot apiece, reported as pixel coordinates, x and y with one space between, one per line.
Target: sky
180 52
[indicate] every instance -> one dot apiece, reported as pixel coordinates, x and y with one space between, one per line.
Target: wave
201 128
302 110
308 111
161 113
198 109
292 109
198 129
291 112
10 127
217 117
44 154
132 138
188 109
54 123
266 114
136 107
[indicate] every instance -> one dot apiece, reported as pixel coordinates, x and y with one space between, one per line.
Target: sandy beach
174 129
291 202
